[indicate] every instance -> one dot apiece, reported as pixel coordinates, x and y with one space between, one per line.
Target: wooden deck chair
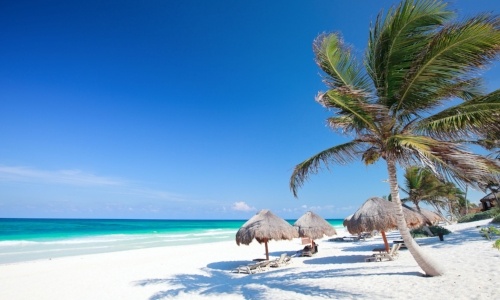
253 268
283 260
391 255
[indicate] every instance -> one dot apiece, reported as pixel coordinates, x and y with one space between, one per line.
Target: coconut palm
418 57
453 199
421 185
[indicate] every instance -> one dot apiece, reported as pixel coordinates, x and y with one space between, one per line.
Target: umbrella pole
267 251
385 241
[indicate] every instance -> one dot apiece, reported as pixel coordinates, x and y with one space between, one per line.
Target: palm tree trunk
424 261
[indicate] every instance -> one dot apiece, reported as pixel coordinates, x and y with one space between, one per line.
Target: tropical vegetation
490 233
413 100
423 186
492 213
496 244
496 219
439 230
435 230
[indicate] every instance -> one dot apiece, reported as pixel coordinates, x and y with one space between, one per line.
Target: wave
116 238
47 251
16 243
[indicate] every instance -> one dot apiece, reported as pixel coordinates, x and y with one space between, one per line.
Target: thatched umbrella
263 227
346 220
430 216
313 226
379 214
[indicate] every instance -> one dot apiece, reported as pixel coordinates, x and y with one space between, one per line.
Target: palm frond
447 159
341 67
466 90
480 116
344 124
397 39
454 53
340 155
363 114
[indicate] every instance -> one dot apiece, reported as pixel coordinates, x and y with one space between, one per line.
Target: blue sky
175 109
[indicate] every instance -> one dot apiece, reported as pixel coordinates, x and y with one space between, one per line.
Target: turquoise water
32 239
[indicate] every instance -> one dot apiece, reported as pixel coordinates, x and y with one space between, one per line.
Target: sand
337 271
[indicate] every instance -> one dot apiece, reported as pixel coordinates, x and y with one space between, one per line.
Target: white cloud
316 209
242 206
350 208
154 194
84 179
69 177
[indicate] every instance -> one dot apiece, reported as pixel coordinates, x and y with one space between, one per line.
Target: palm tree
453 199
422 185
417 58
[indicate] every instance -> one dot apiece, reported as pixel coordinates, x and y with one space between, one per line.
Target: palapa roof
346 220
265 226
313 226
490 197
430 216
379 214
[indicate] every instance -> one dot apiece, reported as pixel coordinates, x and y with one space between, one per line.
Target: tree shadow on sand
218 280
343 259
463 236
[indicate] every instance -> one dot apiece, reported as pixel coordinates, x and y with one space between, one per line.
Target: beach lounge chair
403 246
253 268
308 250
283 260
352 238
366 235
391 255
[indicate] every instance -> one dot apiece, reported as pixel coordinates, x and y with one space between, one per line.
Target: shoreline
203 271
39 239
26 251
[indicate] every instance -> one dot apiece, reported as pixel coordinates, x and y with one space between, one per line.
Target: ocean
33 239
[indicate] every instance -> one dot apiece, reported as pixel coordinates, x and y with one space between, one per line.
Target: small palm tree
417 58
421 184
453 199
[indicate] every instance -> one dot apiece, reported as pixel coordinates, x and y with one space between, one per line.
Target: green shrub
418 232
496 244
479 216
436 230
489 232
496 219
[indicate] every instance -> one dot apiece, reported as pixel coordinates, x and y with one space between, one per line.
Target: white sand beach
337 271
